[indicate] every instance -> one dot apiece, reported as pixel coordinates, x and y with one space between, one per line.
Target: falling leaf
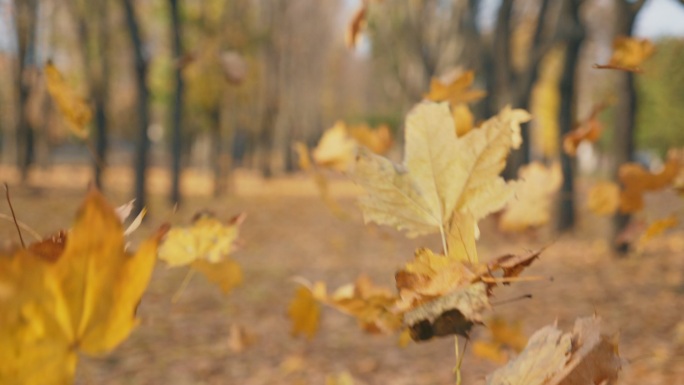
356 24
636 181
589 130
453 313
205 246
234 67
446 183
551 357
206 239
531 206
304 312
73 108
336 148
442 296
454 88
226 274
604 198
656 228
378 140
628 54
491 351
82 299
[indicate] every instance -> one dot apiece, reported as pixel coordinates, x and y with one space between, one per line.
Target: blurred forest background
189 87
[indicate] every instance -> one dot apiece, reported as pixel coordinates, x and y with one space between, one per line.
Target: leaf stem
444 240
183 285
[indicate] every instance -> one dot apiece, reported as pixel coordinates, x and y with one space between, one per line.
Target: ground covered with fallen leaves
190 337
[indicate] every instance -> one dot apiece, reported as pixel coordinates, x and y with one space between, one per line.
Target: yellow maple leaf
531 206
205 246
446 183
320 180
454 87
378 140
336 148
73 108
604 198
629 53
305 311
70 297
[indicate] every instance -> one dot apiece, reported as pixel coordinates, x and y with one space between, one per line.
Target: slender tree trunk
625 120
101 91
177 109
26 24
143 145
575 32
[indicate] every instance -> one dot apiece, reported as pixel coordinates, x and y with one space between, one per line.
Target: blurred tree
177 108
572 29
143 145
26 71
626 110
92 24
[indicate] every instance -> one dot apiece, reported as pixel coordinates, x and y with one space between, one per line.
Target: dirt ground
289 232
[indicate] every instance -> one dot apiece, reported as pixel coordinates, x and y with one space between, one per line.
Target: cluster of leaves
446 184
77 291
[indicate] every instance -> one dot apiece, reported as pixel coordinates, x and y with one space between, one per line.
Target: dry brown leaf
356 24
531 206
604 198
441 296
589 130
636 181
73 108
629 53
551 357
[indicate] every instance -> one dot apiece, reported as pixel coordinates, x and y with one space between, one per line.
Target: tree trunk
626 110
575 32
26 24
177 109
143 144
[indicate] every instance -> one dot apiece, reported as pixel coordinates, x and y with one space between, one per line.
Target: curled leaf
73 108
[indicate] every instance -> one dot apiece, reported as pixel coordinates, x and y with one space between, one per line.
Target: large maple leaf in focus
446 183
76 292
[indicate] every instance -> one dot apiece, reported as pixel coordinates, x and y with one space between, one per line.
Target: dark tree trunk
26 24
177 109
96 65
143 144
625 120
574 29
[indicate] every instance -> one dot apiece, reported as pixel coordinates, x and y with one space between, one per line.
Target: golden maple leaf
73 108
368 303
76 292
531 206
454 87
337 147
446 183
205 246
629 53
